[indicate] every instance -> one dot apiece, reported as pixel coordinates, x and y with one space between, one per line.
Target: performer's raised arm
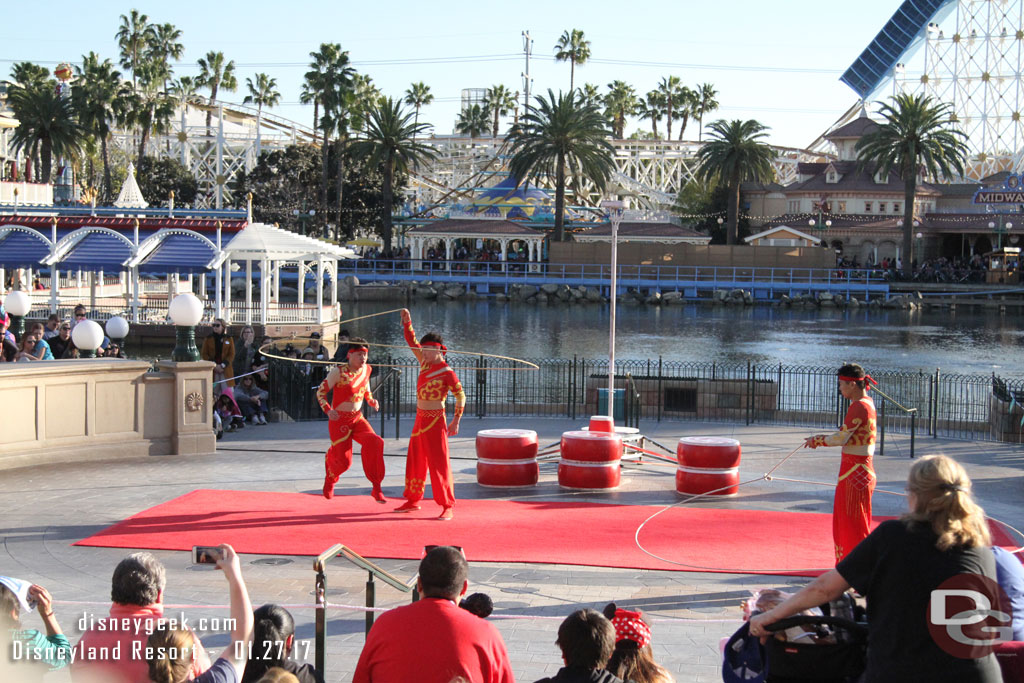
460 406
410 335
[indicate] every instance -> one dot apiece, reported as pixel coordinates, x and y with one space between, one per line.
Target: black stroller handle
813 620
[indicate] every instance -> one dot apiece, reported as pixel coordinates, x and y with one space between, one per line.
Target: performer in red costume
428 445
851 510
350 383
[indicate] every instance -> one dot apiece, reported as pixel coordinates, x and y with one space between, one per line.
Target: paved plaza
47 508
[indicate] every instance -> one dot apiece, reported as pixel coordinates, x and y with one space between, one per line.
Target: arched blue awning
175 251
22 247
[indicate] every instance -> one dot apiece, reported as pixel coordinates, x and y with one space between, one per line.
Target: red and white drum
708 464
506 458
601 423
590 460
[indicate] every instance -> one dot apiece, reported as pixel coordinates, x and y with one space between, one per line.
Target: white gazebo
272 248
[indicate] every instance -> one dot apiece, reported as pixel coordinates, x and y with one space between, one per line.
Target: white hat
19 588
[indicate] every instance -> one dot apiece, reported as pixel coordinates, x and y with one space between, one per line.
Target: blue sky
778 63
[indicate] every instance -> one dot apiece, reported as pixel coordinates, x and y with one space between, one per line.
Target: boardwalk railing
976 407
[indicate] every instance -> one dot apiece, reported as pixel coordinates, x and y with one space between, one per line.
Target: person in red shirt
433 640
350 384
851 509
428 445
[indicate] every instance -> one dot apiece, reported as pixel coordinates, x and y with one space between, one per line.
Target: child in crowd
230 415
632 659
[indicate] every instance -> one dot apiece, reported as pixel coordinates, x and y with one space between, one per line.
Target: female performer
851 509
428 445
350 383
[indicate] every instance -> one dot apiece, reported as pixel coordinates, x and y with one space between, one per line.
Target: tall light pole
615 210
1000 230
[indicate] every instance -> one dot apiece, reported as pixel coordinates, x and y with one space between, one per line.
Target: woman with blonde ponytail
899 566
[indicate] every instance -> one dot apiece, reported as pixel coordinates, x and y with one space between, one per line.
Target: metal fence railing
977 407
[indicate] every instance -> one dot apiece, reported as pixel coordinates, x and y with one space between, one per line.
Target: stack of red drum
506 458
708 464
590 460
601 423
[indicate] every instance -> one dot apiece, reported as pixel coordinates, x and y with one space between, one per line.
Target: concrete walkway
48 508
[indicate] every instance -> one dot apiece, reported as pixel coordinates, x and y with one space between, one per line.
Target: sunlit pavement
47 508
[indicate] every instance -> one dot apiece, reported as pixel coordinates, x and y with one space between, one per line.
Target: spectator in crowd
587 640
433 640
32 347
898 566
632 658
1010 575
252 400
246 352
51 649
113 350
169 649
220 349
320 352
61 344
230 414
52 324
137 595
479 604
5 333
9 351
78 315
278 675
341 353
273 641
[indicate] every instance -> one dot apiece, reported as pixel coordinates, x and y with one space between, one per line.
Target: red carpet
266 523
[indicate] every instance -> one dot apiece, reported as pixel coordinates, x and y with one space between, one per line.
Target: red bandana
631 626
357 347
434 345
867 379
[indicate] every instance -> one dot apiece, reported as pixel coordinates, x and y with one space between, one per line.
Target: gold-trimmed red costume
428 445
851 509
347 386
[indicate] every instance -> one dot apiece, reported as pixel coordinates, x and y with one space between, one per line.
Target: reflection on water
973 341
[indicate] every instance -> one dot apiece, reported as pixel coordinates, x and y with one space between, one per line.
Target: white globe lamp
87 337
117 329
18 304
185 311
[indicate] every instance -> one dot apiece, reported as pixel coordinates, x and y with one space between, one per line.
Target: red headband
435 345
867 379
631 626
357 347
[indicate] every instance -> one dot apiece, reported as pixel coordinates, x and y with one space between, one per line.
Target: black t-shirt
897 568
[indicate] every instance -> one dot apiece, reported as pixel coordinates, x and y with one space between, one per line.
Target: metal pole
371 594
320 636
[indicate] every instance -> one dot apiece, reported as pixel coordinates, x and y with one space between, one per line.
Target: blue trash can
618 403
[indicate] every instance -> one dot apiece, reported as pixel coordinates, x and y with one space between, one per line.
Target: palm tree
918 134
652 107
687 104
473 121
670 91
418 95
561 137
574 48
47 123
184 90
388 141
133 37
165 45
310 95
733 155
620 103
101 98
334 79
262 92
152 108
215 73
592 94
29 75
498 101
705 102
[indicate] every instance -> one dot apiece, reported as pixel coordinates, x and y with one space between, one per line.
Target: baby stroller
828 648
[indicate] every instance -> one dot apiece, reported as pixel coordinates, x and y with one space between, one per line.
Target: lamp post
303 217
117 330
18 304
720 220
1000 230
920 253
821 225
186 310
87 337
615 210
